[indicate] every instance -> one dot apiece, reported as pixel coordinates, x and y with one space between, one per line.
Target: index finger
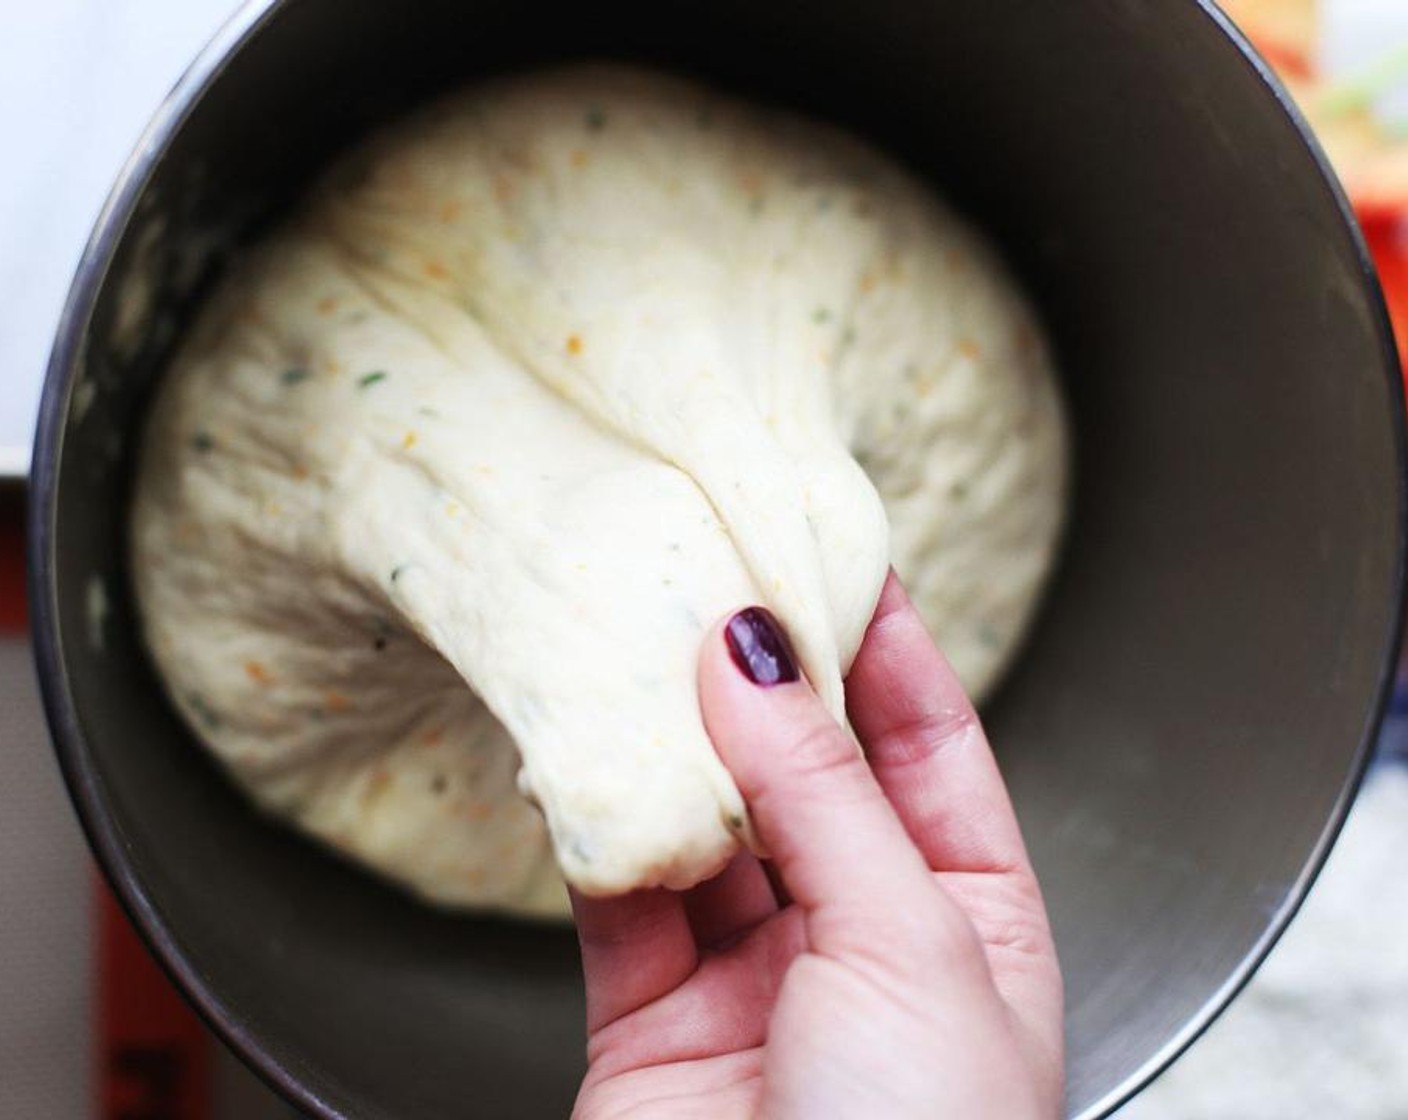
926 747
834 839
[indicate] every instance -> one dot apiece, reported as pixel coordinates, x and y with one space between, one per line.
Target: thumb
837 843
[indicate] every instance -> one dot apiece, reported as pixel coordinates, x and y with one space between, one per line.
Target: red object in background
1387 234
12 603
153 1054
1286 59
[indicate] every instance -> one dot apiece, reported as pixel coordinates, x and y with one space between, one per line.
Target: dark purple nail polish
759 648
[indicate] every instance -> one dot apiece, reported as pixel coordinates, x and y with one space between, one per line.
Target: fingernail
759 648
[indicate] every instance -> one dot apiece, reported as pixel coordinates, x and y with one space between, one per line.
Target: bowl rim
70 745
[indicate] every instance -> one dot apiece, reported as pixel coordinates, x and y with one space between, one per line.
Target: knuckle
822 750
924 734
1016 922
819 765
914 940
1019 937
1008 914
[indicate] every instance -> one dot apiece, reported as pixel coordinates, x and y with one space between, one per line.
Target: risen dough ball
454 472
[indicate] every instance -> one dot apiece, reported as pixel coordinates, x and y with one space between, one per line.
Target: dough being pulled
454 472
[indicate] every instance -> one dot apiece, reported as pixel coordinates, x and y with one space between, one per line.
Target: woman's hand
907 969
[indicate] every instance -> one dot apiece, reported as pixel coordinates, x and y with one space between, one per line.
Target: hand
907 969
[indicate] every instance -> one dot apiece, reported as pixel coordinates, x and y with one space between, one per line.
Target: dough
455 470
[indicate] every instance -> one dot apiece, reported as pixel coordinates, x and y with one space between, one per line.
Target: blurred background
89 1028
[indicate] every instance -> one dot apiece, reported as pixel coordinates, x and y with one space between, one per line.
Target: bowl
1188 723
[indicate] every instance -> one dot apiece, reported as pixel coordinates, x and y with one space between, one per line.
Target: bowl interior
1194 707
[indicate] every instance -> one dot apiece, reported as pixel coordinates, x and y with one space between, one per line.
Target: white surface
78 81
1359 32
1323 1029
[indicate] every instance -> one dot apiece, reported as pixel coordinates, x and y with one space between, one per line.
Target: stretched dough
454 471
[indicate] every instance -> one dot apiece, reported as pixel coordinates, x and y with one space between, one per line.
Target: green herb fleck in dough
596 119
848 338
735 822
821 315
439 784
959 490
398 571
383 632
367 380
203 442
204 712
294 375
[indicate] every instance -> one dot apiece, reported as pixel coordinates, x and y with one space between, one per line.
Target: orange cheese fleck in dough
409 441
327 305
970 349
380 782
258 673
436 270
335 701
574 344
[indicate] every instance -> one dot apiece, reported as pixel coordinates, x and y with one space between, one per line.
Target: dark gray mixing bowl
1188 725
